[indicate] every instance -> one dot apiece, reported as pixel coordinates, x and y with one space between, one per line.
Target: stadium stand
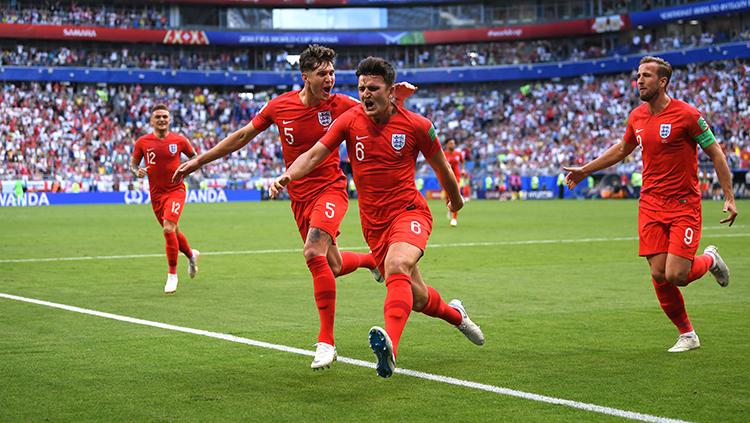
62 133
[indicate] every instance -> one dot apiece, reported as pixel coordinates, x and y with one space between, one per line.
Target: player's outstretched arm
443 170
228 145
725 179
300 167
613 155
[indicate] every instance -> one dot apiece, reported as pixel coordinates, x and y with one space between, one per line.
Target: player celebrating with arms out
383 142
161 150
669 213
319 201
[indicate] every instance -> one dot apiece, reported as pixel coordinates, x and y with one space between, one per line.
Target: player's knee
658 276
169 228
398 264
679 279
315 245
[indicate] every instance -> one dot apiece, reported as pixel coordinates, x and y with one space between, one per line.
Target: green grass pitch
565 302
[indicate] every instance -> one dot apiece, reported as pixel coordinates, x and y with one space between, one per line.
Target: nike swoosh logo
361 138
286 122
639 130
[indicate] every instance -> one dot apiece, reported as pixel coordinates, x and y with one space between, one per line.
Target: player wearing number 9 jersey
383 142
161 150
669 132
319 201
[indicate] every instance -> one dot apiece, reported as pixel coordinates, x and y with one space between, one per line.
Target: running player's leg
683 266
653 231
171 209
428 301
327 214
399 300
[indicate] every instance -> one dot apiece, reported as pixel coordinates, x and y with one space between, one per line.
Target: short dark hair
664 69
159 106
378 67
314 56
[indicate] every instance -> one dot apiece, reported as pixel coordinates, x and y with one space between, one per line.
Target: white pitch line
299 250
421 375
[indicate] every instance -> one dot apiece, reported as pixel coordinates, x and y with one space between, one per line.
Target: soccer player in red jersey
383 141
669 213
161 150
320 200
456 161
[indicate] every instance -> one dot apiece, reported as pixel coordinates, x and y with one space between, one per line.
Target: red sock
172 247
324 287
397 307
184 246
436 307
700 266
352 261
673 305
455 215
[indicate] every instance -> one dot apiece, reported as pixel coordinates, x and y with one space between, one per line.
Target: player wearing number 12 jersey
161 151
456 161
383 142
669 214
319 201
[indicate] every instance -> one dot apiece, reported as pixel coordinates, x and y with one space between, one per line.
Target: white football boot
193 263
686 343
454 222
171 286
325 355
470 329
382 346
719 269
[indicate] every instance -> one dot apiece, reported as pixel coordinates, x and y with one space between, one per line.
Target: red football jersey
300 127
162 158
670 156
383 160
455 159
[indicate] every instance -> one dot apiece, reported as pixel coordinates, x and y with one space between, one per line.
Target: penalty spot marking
421 375
299 250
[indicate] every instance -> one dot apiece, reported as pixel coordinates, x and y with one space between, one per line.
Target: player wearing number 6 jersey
669 214
383 141
161 151
319 201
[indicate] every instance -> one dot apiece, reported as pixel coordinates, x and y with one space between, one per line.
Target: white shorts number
359 151
688 236
330 212
175 207
416 227
288 135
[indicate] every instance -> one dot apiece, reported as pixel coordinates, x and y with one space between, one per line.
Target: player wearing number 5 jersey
319 201
383 141
161 152
669 213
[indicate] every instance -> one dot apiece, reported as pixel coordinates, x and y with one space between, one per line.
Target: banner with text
37 199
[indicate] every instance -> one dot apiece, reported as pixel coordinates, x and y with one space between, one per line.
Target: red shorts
168 205
325 212
675 232
412 227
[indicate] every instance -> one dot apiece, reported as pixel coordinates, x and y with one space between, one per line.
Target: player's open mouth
327 90
369 104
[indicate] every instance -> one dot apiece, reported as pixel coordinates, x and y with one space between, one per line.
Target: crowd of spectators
445 55
110 16
85 133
